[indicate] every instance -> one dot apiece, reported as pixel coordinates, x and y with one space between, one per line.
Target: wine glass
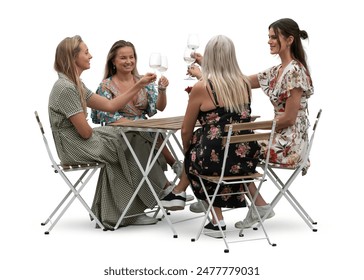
193 41
155 62
164 65
189 59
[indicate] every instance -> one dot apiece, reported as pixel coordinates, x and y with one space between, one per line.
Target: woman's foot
213 230
174 201
252 218
143 219
199 206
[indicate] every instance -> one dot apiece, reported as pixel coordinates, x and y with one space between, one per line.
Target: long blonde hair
66 53
220 66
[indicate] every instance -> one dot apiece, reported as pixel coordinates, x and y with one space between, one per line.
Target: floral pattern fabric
205 156
289 143
145 104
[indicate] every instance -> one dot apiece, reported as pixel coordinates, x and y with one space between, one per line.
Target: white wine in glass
155 62
164 65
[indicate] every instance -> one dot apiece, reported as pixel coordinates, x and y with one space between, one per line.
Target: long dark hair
288 27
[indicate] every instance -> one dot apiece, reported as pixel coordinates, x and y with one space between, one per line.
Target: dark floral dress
205 155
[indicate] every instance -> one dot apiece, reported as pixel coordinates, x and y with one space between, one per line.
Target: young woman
77 142
221 97
121 74
288 86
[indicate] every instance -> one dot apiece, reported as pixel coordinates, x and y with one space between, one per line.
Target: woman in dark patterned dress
221 97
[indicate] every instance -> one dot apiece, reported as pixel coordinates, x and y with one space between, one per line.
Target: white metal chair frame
231 138
283 187
75 188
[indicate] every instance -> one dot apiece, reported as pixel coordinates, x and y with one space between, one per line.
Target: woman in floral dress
288 87
120 75
221 97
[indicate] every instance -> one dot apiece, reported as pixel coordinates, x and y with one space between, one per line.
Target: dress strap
216 102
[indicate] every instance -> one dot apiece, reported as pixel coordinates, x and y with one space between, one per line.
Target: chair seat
84 166
216 179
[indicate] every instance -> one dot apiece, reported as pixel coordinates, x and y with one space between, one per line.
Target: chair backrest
313 132
54 163
262 130
309 144
255 126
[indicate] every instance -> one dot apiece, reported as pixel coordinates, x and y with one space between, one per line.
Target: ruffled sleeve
297 77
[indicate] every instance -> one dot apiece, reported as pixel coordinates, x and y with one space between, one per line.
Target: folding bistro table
166 127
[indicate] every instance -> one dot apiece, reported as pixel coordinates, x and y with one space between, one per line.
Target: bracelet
162 89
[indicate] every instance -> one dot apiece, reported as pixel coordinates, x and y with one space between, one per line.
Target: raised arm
254 83
162 96
189 121
103 104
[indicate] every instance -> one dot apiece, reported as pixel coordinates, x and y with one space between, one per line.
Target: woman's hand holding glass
163 83
189 59
147 79
193 43
194 71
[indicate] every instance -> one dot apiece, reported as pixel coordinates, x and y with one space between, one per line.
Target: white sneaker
199 206
252 218
143 219
177 168
189 197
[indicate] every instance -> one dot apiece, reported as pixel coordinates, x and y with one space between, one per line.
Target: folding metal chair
75 188
263 130
283 187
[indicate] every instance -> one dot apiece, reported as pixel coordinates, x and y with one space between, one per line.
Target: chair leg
257 213
76 195
206 216
65 198
283 191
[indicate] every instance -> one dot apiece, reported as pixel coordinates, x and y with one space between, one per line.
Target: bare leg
166 153
182 184
218 214
168 156
259 200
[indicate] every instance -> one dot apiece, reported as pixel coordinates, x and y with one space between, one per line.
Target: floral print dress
144 106
289 143
205 155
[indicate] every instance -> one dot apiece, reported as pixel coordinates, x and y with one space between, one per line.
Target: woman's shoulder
106 81
200 85
296 66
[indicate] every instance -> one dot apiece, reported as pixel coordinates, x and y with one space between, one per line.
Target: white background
331 192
